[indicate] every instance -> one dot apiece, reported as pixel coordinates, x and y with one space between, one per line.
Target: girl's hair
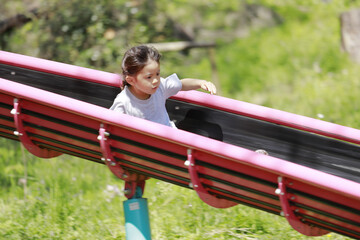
136 58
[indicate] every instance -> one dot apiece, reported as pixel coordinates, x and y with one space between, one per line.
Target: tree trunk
350 33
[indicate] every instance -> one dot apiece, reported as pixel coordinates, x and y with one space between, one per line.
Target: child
145 92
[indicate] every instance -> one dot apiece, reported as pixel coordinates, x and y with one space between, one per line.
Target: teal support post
137 223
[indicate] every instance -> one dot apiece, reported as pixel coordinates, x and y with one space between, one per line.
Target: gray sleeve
172 85
118 107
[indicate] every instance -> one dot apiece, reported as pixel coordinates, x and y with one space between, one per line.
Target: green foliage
88 33
297 66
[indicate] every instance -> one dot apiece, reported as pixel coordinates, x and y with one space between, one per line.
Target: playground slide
311 175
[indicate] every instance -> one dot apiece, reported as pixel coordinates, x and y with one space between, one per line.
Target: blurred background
298 56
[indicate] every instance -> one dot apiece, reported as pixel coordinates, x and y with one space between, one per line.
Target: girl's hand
194 84
208 86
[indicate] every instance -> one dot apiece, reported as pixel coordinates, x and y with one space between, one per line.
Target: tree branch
16 21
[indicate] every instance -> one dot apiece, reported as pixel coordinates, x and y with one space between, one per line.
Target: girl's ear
130 80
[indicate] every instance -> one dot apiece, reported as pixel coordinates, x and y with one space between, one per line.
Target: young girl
145 92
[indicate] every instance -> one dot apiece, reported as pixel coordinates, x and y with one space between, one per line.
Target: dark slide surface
325 154
308 149
95 93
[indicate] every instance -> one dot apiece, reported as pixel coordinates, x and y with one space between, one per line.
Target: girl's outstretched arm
194 84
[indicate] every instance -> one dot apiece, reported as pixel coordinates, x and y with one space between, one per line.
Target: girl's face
145 82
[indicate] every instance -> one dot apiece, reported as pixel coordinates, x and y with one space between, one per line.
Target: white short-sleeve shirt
153 108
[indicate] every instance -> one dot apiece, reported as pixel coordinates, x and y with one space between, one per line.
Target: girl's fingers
209 86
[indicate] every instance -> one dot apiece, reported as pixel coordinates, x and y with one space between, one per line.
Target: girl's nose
155 80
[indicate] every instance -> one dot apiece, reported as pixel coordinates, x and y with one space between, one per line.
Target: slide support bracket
136 211
289 213
200 189
24 138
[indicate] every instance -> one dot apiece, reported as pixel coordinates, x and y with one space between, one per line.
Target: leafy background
280 54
